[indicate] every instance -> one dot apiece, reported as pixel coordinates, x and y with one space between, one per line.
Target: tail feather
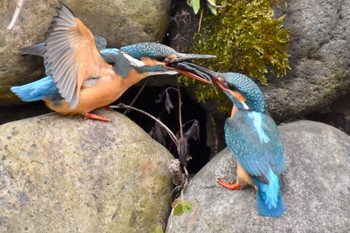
37 90
269 197
270 211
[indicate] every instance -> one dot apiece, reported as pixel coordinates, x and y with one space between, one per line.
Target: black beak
195 71
188 56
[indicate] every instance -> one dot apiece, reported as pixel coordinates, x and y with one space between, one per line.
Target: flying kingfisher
80 78
252 136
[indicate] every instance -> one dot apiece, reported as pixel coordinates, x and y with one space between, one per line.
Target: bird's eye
231 86
94 77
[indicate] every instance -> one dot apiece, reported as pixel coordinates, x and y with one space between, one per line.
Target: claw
235 186
95 117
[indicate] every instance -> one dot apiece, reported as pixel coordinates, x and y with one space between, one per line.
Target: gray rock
65 174
336 114
319 58
316 188
120 22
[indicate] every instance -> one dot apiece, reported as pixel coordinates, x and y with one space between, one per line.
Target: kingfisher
80 78
253 138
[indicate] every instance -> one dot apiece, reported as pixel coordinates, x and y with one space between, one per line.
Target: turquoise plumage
46 87
80 79
253 138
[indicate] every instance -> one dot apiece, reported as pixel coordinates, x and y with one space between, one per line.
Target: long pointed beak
192 70
197 72
188 56
208 76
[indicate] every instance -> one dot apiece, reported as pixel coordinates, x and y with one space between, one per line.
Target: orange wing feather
71 54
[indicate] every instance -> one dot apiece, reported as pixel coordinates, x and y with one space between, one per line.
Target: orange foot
96 117
235 186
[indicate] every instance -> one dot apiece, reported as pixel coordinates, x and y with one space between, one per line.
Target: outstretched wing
71 55
253 138
39 49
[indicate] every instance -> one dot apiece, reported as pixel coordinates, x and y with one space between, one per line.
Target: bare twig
171 134
185 184
180 110
136 96
200 21
16 14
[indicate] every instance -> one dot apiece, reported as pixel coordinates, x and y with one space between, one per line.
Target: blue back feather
255 143
253 138
257 148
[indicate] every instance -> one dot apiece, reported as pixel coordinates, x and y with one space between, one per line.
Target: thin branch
171 134
136 96
16 14
180 111
200 21
172 88
185 184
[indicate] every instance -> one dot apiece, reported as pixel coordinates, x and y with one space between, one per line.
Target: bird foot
95 117
235 186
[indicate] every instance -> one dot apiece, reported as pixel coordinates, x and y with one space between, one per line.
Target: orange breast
108 89
243 178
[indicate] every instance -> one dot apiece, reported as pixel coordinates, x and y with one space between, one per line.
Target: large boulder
65 174
315 188
120 22
319 59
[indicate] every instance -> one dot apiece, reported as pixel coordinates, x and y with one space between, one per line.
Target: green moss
247 38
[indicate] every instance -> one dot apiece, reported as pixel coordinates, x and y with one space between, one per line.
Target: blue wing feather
254 139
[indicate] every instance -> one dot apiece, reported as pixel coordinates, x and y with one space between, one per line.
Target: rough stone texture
318 58
336 114
318 55
316 188
64 174
120 22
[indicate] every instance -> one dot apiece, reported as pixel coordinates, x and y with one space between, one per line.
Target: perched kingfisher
80 78
253 138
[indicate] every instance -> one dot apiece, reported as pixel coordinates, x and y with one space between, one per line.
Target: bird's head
240 89
154 58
